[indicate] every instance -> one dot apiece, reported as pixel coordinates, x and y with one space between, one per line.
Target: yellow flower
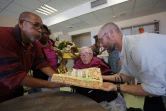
64 41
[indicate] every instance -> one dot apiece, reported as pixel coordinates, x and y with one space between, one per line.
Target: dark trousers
154 104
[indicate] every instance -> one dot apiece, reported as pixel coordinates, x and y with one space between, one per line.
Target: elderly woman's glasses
85 55
36 25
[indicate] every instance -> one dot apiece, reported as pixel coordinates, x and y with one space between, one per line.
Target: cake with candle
88 78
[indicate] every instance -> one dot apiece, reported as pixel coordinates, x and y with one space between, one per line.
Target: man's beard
33 39
111 47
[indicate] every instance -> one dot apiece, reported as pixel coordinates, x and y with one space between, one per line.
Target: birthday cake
88 78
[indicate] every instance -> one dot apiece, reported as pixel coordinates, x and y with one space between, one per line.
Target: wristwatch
118 88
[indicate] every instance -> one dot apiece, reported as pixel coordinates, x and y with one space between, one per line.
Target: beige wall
82 39
7 22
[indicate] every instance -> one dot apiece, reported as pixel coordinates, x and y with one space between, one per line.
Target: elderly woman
112 101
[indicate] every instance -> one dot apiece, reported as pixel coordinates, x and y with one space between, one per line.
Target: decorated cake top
88 78
91 73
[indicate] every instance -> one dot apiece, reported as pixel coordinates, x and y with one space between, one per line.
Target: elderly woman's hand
107 86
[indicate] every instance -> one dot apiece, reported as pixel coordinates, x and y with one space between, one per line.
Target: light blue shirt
113 59
144 57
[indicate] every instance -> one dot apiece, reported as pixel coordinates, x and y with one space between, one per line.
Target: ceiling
13 8
119 12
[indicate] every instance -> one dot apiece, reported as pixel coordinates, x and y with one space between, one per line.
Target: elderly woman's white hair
90 50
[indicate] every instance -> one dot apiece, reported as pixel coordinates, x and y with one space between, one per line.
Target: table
51 101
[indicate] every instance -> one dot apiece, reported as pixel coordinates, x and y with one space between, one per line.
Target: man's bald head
27 15
31 26
110 37
112 26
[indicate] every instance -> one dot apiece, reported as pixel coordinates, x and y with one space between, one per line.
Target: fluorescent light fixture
41 12
45 9
50 7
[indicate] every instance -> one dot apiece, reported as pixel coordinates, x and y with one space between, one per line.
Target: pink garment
52 58
96 62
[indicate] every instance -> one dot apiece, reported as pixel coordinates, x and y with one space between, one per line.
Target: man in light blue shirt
143 57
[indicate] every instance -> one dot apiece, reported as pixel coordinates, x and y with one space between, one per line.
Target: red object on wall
141 30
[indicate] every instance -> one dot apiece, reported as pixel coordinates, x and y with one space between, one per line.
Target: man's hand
56 85
107 86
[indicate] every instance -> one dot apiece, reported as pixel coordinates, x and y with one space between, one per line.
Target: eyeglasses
36 25
101 39
85 55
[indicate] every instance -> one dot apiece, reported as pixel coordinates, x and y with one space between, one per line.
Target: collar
122 51
17 35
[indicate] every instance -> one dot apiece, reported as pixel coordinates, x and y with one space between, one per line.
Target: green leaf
67 43
86 79
61 46
57 39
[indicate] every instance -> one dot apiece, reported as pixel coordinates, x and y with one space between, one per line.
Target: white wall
93 33
53 36
79 40
64 37
140 20
7 22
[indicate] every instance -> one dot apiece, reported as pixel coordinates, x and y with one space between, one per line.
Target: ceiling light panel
46 10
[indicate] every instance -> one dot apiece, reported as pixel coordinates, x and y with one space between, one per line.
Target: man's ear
20 23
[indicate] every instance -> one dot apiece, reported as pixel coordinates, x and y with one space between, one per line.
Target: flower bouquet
69 49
